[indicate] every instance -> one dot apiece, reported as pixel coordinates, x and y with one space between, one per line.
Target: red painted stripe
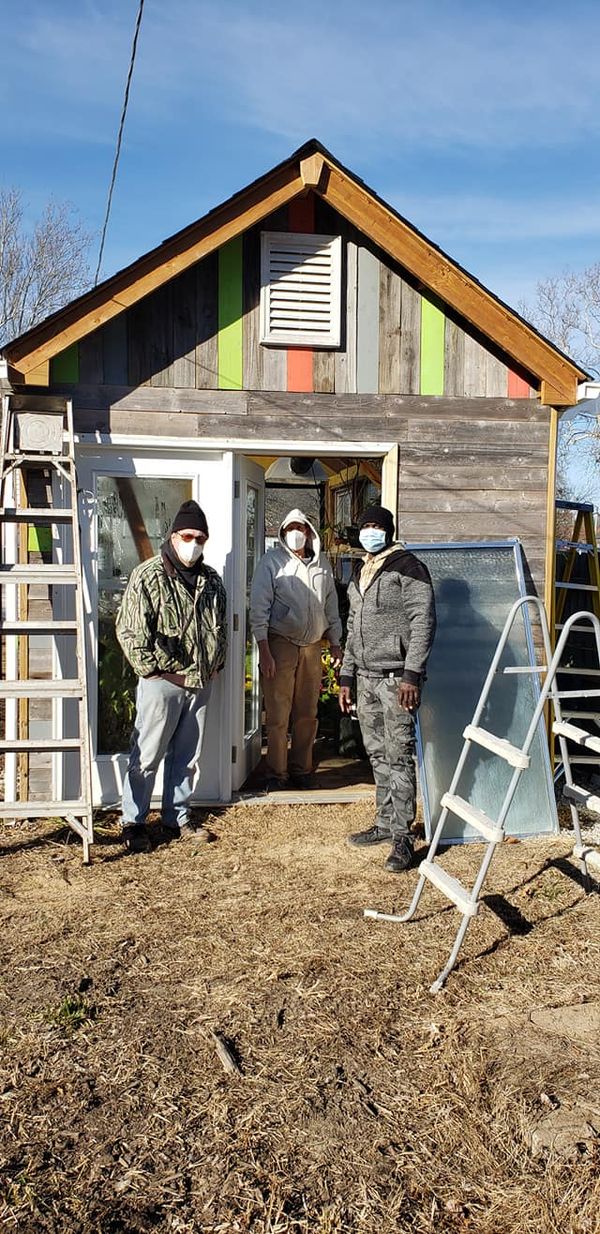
301 217
301 213
517 386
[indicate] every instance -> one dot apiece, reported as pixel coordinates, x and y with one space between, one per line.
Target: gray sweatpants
169 724
389 738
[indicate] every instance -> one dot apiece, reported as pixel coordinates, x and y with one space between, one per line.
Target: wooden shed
304 317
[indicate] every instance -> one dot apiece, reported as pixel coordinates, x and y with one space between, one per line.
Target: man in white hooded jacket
293 606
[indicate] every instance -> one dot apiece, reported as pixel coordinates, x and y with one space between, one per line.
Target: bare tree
41 267
567 310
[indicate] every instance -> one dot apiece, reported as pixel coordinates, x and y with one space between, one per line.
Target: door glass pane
251 680
134 516
474 590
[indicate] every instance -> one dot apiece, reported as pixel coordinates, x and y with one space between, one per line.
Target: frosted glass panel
474 590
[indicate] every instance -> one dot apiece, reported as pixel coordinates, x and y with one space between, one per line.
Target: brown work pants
291 699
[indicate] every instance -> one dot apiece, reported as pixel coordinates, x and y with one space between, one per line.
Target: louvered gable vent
300 289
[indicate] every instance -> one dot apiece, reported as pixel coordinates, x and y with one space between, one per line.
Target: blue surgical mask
372 539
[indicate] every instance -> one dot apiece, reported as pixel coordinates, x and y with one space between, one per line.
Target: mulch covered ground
357 1102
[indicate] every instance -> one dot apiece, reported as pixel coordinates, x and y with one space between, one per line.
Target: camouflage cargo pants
389 738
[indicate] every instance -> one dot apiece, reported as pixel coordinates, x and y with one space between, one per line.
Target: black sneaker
136 838
374 835
401 856
304 779
275 785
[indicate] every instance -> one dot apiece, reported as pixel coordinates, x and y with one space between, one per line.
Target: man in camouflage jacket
391 625
172 629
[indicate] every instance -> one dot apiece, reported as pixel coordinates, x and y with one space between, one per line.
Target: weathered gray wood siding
395 340
468 469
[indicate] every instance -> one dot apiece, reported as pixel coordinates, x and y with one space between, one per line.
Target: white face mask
188 552
295 540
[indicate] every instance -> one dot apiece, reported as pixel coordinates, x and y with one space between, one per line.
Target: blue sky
479 121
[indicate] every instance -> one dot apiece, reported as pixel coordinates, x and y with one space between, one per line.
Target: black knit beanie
190 515
382 517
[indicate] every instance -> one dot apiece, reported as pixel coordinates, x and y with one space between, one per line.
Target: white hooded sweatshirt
295 596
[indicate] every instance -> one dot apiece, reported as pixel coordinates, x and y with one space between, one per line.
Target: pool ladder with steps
492 831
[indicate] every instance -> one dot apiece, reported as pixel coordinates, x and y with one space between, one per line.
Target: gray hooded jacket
292 596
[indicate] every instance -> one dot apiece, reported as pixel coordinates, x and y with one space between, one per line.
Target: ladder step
589 855
581 797
578 629
450 887
30 514
42 809
585 507
578 672
26 745
581 715
573 733
38 627
498 745
580 545
575 694
577 587
486 826
590 759
59 687
38 574
42 458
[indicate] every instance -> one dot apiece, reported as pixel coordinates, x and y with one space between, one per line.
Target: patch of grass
73 1011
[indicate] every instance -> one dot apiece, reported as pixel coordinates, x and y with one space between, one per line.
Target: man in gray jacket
293 606
391 625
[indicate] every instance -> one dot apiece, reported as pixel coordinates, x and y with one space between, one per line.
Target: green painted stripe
230 343
432 348
39 539
64 368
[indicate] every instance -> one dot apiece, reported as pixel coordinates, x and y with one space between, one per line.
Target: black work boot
136 838
374 835
401 856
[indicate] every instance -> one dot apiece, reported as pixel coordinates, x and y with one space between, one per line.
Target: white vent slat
301 289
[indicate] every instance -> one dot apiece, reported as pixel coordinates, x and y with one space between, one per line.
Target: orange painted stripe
301 217
517 386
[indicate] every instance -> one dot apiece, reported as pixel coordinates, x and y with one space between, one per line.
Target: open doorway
332 491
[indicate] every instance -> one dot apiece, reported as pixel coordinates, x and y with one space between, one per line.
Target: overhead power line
119 137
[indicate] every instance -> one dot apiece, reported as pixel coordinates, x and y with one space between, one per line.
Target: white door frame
247 746
103 452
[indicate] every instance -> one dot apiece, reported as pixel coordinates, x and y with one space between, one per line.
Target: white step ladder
37 452
465 899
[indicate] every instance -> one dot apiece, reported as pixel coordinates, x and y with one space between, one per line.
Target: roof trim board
310 168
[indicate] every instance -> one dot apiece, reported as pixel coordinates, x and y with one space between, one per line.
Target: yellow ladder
578 545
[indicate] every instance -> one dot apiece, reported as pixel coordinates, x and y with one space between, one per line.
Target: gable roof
311 167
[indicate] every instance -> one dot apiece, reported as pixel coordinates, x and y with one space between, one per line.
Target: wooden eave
312 168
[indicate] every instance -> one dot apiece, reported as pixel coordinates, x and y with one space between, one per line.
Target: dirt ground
358 1102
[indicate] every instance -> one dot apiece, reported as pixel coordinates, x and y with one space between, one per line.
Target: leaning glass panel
475 586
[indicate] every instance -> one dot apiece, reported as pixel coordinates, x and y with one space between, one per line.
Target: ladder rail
54 458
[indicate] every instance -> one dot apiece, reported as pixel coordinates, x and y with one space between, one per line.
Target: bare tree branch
41 268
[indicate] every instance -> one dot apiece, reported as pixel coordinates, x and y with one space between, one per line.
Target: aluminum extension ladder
37 458
467 901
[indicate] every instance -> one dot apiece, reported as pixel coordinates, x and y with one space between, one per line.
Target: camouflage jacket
164 629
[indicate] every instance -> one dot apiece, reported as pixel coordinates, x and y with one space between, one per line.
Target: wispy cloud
433 75
496 220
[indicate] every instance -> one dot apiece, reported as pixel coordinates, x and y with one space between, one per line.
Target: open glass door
250 547
128 504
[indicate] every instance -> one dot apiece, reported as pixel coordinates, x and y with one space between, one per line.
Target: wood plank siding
201 330
187 362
